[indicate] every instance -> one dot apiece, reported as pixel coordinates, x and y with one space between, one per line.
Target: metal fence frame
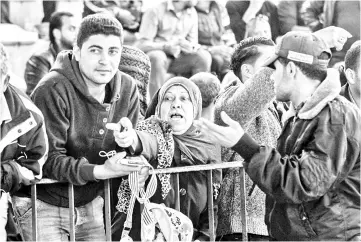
173 170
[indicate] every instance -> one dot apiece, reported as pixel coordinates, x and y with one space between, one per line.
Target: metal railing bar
210 206
173 170
207 167
177 196
34 213
71 212
243 205
108 232
178 169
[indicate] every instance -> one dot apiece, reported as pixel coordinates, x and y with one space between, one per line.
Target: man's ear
246 71
350 76
76 52
57 33
291 69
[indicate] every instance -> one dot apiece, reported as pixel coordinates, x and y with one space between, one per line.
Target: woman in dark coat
169 139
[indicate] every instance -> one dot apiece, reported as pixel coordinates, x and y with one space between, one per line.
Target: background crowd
276 85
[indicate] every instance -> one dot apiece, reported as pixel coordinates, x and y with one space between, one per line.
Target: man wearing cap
312 178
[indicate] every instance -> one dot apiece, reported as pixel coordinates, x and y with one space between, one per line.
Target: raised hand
124 134
225 136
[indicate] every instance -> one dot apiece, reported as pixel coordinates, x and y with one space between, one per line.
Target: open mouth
176 116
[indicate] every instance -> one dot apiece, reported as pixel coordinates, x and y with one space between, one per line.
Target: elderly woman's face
177 109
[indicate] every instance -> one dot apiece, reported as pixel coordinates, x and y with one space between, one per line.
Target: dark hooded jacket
75 123
312 179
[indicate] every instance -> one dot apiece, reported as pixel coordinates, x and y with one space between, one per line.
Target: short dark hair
311 71
247 52
352 57
209 85
56 22
99 24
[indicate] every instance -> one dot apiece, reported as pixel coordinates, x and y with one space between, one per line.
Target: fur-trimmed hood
328 90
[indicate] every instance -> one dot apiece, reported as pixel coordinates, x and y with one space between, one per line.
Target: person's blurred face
99 58
177 109
68 32
260 29
282 83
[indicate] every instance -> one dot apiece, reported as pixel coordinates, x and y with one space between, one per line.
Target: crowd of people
125 91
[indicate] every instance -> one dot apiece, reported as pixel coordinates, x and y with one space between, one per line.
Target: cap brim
270 60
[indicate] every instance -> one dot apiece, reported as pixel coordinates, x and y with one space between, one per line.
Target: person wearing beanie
82 93
312 178
23 148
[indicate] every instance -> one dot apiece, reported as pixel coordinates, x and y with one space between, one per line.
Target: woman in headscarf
167 138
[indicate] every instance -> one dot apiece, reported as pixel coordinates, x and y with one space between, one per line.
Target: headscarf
192 143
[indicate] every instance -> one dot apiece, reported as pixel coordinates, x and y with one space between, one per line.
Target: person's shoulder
345 113
44 54
126 79
25 100
341 111
53 82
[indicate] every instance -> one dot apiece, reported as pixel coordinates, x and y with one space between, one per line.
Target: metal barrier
173 170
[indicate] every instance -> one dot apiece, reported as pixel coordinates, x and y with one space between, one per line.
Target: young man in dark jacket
83 91
312 178
23 147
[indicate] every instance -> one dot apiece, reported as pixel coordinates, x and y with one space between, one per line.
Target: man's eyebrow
95 46
114 47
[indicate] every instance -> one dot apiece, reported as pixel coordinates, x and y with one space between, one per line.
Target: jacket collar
328 90
5 111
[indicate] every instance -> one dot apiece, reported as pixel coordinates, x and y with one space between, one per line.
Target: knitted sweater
253 108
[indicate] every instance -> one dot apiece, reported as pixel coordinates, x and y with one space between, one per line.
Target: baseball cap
302 47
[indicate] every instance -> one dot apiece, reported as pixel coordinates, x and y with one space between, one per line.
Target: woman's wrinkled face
177 109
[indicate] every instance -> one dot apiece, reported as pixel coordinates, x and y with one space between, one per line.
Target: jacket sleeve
311 12
239 101
297 178
35 69
59 165
30 156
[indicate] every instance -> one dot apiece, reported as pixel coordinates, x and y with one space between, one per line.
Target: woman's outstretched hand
124 134
225 136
